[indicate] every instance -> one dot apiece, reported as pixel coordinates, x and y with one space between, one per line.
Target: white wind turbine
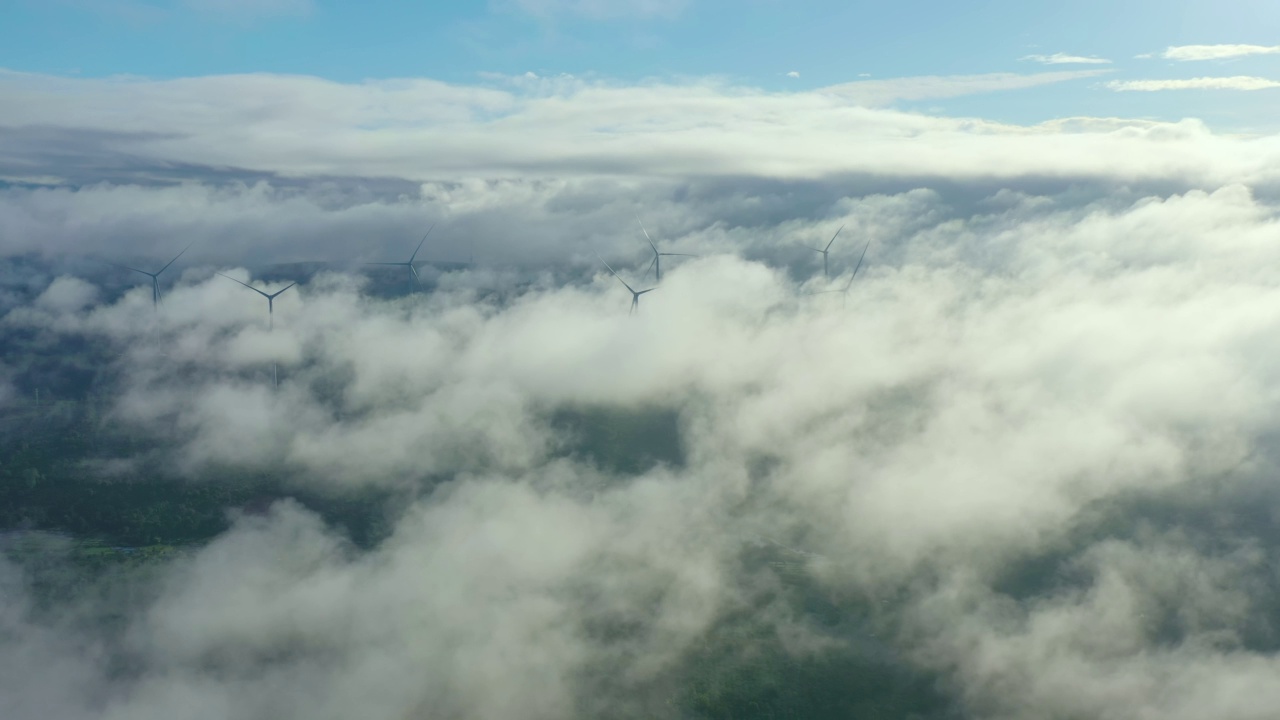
657 256
635 294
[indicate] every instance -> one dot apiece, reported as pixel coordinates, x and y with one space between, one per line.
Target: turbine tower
271 299
845 292
155 276
635 294
824 251
657 256
409 264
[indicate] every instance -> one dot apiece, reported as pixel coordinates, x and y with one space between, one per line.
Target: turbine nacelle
155 276
824 251
635 294
656 264
271 297
844 292
413 270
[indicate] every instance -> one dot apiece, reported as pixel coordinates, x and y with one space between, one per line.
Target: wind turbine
635 295
155 276
824 252
657 256
845 292
409 264
271 299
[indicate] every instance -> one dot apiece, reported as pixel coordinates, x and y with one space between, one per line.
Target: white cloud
1065 59
67 294
793 74
422 130
1046 343
1216 52
1007 371
1238 82
886 92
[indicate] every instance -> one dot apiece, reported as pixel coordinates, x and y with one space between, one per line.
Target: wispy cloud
888 91
793 74
308 127
1215 52
1065 59
1237 82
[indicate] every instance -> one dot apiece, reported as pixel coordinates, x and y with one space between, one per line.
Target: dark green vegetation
65 466
100 514
64 469
744 668
622 441
1232 519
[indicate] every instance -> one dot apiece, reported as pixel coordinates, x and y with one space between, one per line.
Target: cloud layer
1005 376
1029 458
269 127
1216 52
1236 82
1066 59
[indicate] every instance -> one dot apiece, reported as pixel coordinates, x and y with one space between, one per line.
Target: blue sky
755 40
751 38
750 42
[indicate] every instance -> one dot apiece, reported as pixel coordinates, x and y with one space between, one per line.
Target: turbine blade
855 269
276 294
144 272
638 294
646 232
247 285
681 254
424 239
414 270
385 263
860 258
652 262
606 265
611 272
175 258
833 237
